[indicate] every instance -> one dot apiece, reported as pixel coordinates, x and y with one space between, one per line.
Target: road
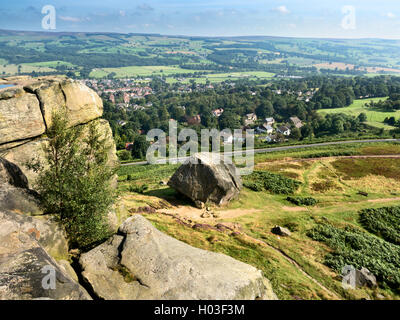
266 150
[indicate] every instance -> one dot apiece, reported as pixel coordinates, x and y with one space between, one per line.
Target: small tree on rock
74 181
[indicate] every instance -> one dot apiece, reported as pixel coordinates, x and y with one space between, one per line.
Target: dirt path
293 262
384 200
195 214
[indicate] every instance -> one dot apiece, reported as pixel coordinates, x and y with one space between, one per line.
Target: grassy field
375 117
12 69
141 71
295 265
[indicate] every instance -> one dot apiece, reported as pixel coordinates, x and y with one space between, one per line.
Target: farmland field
375 117
142 71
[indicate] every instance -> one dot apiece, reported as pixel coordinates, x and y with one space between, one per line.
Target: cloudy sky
294 18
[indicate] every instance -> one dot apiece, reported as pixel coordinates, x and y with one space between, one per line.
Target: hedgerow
274 183
301 201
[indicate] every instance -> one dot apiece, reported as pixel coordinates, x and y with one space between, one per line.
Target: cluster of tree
392 104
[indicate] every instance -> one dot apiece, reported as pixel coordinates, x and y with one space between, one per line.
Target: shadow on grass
170 195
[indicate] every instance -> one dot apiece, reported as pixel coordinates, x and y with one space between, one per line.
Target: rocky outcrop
24 263
26 110
31 246
82 104
143 263
207 177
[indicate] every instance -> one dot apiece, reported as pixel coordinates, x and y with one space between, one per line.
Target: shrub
300 201
139 189
74 181
384 222
274 183
124 155
360 249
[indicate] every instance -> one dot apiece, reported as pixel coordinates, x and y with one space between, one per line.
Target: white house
270 121
284 130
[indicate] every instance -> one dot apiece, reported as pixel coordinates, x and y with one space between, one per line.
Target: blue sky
293 18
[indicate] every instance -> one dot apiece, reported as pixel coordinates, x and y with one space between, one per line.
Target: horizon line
197 36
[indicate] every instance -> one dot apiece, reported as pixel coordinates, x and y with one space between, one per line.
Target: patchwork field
342 179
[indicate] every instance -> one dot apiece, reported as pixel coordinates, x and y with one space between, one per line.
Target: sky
287 18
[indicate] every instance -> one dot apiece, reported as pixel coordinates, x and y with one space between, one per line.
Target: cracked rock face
26 110
143 263
22 260
206 177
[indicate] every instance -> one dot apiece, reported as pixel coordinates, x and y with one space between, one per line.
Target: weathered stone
23 154
280 231
14 195
67 268
23 266
83 104
206 177
20 118
143 263
49 234
365 278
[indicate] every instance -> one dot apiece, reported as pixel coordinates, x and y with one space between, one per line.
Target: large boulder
143 263
24 265
207 177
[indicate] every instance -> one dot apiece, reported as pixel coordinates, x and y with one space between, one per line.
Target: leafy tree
362 117
228 120
74 181
140 147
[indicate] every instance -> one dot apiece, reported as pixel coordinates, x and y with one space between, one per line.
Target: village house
250 119
218 112
296 122
265 128
227 138
270 121
284 130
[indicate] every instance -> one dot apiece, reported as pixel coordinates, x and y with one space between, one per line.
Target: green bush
360 249
300 201
384 222
74 181
139 189
124 155
274 183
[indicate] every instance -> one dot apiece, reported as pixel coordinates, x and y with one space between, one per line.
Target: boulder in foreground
207 177
141 263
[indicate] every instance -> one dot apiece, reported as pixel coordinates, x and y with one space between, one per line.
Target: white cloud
282 9
390 15
122 13
70 19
